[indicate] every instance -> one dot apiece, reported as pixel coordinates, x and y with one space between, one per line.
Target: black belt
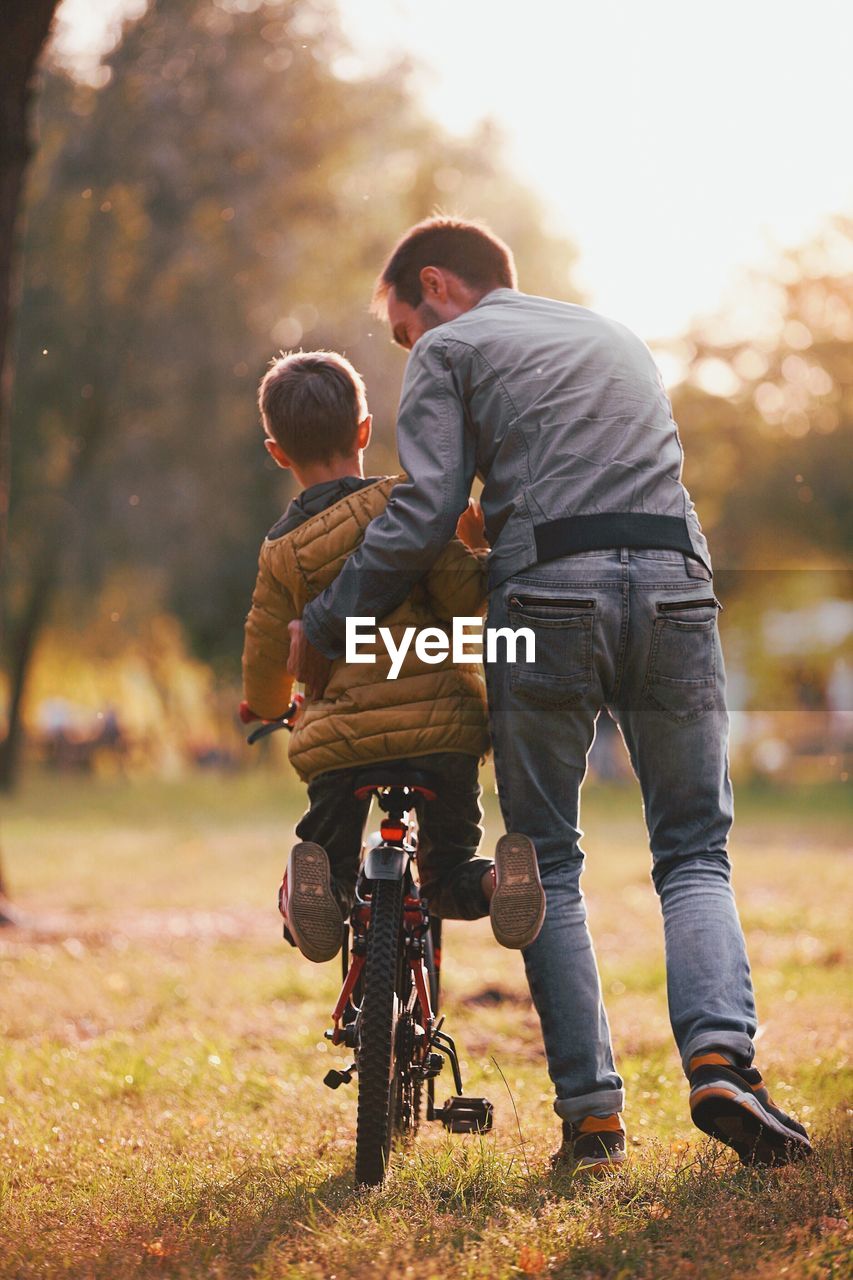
639 529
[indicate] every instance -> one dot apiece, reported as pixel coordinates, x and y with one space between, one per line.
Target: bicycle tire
432 984
377 1072
401 1081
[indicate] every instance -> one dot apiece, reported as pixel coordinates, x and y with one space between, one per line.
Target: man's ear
364 432
277 454
433 284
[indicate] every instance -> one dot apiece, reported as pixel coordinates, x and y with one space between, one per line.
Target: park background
214 180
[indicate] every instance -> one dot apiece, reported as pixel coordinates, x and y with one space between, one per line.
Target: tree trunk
22 646
44 577
25 30
8 914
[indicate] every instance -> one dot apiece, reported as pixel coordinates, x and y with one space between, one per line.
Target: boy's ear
363 434
277 454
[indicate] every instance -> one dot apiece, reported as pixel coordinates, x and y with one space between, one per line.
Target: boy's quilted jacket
362 716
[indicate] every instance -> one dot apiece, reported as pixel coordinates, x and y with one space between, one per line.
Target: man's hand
471 528
305 663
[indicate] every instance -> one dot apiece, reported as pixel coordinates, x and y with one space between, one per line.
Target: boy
316 423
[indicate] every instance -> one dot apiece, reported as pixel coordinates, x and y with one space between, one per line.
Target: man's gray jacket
561 412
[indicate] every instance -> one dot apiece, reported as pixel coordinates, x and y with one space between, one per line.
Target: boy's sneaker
309 907
517 908
594 1145
732 1104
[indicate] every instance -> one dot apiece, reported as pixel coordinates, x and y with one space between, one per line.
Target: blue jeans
612 630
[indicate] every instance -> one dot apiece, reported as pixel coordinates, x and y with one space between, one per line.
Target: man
597 548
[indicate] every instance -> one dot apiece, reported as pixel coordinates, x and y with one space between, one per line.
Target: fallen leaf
155 1249
531 1261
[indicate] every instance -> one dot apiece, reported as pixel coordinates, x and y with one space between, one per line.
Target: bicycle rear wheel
377 1077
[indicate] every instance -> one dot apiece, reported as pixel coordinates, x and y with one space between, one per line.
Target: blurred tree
225 194
767 426
768 454
25 29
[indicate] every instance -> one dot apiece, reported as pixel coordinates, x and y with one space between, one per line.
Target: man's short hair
469 249
311 403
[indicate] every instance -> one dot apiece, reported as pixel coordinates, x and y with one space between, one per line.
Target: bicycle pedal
466 1115
334 1079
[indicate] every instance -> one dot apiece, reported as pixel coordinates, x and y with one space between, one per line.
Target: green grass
161 1061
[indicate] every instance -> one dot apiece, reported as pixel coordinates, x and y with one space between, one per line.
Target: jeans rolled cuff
734 1042
603 1103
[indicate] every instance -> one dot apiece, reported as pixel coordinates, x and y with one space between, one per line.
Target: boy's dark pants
449 833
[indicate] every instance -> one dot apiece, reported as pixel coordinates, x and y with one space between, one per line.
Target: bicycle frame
391 859
419 1045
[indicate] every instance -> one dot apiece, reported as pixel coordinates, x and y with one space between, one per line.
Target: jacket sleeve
267 684
456 583
438 455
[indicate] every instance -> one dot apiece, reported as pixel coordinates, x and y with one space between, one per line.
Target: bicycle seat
420 781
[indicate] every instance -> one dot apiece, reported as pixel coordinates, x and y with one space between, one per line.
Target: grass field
162 1111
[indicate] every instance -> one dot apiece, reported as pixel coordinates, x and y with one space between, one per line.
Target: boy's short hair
469 249
311 403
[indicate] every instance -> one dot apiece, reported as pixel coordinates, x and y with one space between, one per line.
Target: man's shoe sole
517 908
738 1118
313 914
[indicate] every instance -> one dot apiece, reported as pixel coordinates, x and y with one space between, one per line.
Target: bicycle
387 1011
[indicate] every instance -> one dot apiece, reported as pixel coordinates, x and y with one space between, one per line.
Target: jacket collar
495 295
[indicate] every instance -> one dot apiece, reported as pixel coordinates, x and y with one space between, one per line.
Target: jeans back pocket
561 671
682 672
